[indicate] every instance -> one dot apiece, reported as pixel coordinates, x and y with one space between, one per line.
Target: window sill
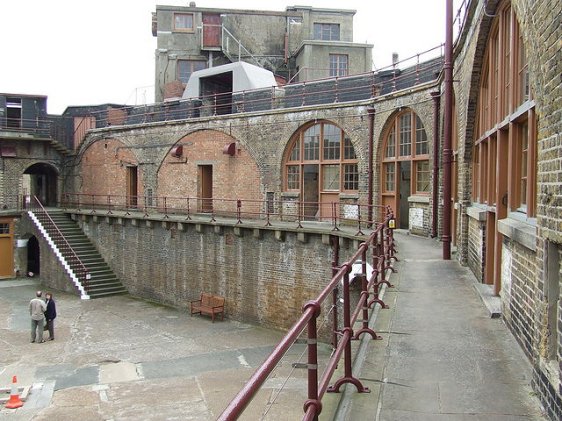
519 229
418 199
477 211
349 196
290 194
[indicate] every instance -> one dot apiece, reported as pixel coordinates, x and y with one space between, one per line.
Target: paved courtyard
121 358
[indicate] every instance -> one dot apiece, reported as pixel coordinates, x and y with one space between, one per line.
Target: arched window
405 168
320 164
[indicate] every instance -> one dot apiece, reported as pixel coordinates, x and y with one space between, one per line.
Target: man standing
37 308
50 315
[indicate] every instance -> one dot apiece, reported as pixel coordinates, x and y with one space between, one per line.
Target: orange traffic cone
15 401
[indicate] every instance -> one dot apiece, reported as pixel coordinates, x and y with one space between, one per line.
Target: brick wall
265 277
475 247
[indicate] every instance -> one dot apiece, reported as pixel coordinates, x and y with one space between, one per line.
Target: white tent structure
241 75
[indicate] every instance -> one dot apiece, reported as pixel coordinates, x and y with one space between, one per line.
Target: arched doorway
33 256
41 180
405 164
320 163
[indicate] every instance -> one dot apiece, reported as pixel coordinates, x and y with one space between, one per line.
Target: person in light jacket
37 308
50 315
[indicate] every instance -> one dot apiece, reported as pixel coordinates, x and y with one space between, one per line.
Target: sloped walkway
442 356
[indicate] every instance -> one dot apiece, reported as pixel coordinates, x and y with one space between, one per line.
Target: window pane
4 228
327 31
350 177
332 136
312 143
349 151
524 136
338 65
390 144
330 177
295 153
293 177
389 177
187 67
405 135
183 21
422 146
422 176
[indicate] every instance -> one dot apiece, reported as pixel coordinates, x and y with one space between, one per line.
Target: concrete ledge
418 199
476 212
492 302
520 232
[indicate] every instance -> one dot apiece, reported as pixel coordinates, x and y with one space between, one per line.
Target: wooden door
6 249
205 188
211 30
132 186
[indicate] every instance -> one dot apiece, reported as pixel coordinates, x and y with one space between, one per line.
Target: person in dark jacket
50 315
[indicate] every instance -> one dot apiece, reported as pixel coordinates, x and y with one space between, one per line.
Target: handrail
68 252
242 210
310 313
310 92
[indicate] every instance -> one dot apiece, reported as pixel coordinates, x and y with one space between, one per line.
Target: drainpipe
371 113
435 185
335 267
447 130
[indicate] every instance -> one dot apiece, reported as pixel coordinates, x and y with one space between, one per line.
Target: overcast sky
93 52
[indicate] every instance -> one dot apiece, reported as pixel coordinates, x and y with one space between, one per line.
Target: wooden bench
208 304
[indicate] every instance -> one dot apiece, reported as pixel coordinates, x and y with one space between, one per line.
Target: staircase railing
235 50
66 250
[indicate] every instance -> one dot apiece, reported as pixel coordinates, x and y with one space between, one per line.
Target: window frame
345 157
401 139
192 69
337 70
186 28
326 28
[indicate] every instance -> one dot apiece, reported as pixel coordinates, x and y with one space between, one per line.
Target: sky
80 52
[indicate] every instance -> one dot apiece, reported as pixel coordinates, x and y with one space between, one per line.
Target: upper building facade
298 44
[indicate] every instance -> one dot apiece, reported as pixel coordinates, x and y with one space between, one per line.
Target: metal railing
381 246
66 250
240 210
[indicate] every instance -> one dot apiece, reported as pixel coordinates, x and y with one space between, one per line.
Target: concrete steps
103 281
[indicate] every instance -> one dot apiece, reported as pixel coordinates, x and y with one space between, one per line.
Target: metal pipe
371 114
435 185
448 114
335 263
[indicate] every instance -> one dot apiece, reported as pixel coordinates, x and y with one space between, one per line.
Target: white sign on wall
350 211
416 218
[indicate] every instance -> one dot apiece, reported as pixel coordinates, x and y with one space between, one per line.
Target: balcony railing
240 211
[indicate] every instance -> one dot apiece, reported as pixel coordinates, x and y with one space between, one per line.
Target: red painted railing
60 241
243 210
382 250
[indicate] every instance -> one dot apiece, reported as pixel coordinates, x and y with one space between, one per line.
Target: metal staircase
84 264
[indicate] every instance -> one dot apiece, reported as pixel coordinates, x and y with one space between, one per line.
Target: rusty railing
381 246
242 210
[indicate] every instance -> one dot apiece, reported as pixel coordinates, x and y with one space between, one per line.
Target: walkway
442 357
